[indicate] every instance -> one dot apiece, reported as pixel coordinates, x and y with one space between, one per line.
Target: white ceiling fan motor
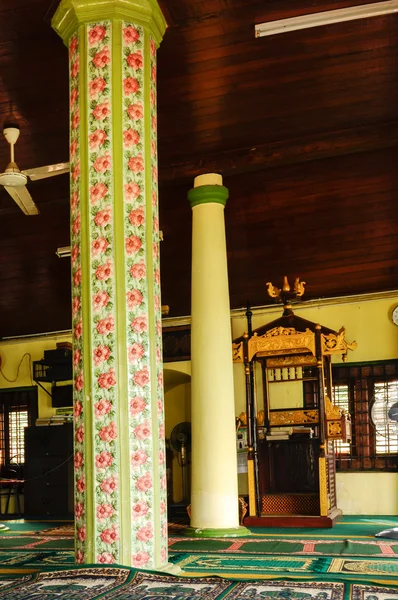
12 176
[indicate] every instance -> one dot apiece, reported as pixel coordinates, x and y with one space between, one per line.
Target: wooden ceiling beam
290 151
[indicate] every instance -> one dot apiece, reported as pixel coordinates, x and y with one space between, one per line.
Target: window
385 394
367 391
18 409
18 420
341 399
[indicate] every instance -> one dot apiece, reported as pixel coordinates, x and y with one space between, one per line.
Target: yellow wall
13 351
177 403
367 493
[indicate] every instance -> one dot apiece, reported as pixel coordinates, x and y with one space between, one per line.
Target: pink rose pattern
157 302
139 215
102 289
78 392
139 387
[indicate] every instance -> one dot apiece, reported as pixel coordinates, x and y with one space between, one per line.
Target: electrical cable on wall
51 470
18 368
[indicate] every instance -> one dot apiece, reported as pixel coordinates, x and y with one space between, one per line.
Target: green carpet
347 552
353 536
349 526
371 547
22 542
36 527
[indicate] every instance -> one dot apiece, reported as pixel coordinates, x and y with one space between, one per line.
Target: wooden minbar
291 420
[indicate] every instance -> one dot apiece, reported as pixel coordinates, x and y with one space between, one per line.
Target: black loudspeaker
62 396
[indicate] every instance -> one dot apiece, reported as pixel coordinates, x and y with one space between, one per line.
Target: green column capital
70 14
204 194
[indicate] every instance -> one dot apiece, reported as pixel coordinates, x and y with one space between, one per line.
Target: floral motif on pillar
157 304
103 292
140 240
77 321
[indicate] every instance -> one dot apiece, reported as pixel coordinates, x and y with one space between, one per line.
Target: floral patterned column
120 479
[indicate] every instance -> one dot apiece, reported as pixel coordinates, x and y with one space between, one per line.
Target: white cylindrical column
214 488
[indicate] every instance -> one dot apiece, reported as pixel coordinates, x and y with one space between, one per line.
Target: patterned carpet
311 547
118 583
259 565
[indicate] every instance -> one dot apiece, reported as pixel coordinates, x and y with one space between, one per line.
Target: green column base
217 533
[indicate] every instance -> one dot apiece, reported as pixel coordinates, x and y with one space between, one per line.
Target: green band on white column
205 194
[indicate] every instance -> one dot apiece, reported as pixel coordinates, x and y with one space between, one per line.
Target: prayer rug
364 567
46 560
148 586
112 584
255 565
81 584
260 565
42 542
287 590
373 592
283 546
16 558
21 527
63 530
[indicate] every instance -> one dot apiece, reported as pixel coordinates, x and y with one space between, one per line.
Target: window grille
341 399
368 390
18 409
385 395
17 422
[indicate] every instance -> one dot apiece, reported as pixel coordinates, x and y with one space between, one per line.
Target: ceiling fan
14 180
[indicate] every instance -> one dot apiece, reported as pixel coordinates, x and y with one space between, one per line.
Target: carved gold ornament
335 343
243 418
280 340
260 418
307 360
237 353
299 287
323 488
251 487
293 417
334 430
332 411
273 291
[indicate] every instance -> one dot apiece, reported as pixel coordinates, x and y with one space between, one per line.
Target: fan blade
24 200
47 171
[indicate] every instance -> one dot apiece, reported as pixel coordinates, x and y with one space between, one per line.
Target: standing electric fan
180 439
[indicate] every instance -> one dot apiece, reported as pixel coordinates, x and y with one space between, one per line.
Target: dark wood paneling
303 127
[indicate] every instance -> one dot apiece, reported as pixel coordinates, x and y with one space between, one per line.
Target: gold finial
286 295
286 286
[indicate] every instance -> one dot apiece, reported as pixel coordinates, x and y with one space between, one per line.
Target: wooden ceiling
303 126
